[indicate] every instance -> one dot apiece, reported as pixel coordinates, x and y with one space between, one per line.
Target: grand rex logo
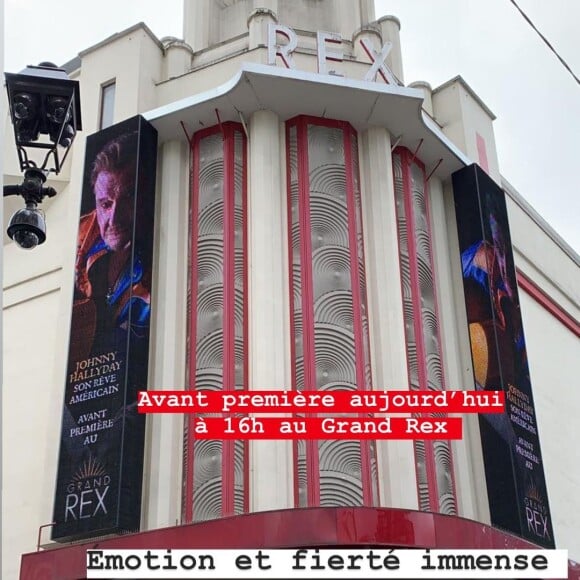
323 39
87 491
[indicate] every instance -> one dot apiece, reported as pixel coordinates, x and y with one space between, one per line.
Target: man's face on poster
114 198
500 253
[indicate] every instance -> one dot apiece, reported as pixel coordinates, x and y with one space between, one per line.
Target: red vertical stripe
245 308
313 470
228 317
482 152
356 302
417 318
436 308
187 508
289 127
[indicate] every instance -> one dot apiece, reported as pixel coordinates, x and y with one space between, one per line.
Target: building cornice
459 79
529 210
136 27
290 92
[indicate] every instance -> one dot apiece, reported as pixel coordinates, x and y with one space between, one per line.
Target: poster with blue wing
517 493
100 470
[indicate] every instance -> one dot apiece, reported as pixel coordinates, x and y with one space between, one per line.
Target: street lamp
45 111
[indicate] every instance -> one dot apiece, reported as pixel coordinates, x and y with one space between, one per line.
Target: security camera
27 227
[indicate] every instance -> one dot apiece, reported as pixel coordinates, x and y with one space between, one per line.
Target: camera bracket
32 188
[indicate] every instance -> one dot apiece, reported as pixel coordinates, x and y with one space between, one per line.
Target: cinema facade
318 225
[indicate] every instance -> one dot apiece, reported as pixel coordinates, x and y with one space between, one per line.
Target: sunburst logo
91 467
534 493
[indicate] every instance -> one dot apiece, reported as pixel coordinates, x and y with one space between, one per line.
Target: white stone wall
553 354
38 295
271 462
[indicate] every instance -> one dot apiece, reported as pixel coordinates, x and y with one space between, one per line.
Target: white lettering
323 54
378 60
284 51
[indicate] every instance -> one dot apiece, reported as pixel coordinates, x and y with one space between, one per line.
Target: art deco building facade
305 237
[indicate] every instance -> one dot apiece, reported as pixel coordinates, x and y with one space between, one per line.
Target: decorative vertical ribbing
215 470
329 321
433 459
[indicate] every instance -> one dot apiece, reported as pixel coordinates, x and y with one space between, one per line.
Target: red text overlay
326 428
322 415
313 402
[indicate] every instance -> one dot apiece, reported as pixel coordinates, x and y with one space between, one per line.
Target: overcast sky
536 101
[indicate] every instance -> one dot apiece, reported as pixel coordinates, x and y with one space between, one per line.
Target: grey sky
536 101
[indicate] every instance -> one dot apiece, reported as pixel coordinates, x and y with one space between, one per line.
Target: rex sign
326 52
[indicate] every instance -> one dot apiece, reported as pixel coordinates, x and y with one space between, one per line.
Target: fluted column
396 459
164 433
271 475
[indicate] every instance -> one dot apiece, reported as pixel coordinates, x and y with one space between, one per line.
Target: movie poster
518 498
100 468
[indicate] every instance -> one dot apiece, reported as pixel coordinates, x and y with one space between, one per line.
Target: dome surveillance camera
27 227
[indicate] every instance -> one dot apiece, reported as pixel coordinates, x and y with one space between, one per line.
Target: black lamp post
45 110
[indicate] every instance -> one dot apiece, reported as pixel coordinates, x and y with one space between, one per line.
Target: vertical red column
188 444
228 319
417 323
353 238
435 480
330 348
215 472
312 466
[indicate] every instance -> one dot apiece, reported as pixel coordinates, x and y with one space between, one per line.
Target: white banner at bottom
328 563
